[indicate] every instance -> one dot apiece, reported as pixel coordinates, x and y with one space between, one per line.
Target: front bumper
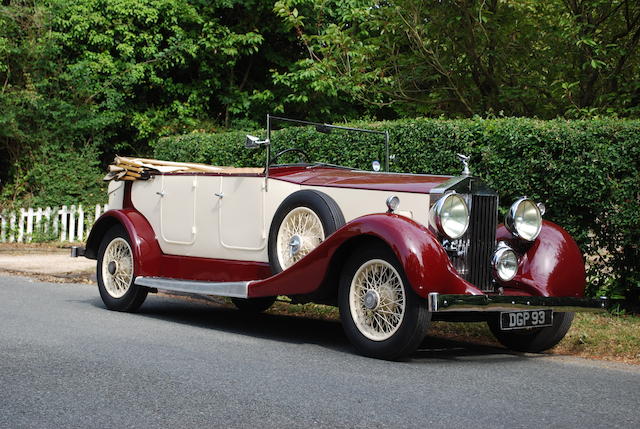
449 303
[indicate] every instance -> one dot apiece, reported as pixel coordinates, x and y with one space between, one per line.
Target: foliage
586 172
63 177
97 77
83 80
552 58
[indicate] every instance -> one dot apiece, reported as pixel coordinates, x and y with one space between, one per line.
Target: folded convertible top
124 168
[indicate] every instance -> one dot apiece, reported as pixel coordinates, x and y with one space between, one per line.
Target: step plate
232 289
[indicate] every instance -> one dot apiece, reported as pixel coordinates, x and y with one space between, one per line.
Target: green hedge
586 172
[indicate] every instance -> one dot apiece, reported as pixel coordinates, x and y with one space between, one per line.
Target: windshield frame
322 128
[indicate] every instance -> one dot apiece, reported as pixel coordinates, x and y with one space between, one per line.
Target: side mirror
253 142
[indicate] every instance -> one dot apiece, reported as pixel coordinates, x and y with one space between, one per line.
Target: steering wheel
293 149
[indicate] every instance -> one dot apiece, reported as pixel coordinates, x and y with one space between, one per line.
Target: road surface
65 361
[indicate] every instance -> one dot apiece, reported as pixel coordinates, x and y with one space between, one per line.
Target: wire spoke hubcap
377 300
294 244
117 267
301 231
371 300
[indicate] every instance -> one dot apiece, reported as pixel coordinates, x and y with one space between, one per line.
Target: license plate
525 319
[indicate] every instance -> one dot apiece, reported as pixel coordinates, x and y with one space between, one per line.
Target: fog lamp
505 263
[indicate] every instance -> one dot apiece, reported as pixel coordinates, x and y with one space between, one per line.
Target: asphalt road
65 361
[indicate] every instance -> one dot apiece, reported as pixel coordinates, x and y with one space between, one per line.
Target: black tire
253 305
413 325
321 204
135 295
535 340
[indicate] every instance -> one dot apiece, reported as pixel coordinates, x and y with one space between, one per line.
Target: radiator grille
473 252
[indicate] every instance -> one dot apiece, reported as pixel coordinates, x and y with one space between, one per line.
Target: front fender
551 266
141 236
425 262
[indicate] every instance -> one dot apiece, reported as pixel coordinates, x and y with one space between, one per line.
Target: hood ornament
465 162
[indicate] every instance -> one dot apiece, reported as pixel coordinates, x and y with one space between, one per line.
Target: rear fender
141 236
425 262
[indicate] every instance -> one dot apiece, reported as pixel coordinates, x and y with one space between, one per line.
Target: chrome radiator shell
471 254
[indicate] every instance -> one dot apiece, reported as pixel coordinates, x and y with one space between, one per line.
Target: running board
232 289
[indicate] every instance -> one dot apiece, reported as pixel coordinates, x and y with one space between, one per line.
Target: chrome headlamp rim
436 216
512 224
502 252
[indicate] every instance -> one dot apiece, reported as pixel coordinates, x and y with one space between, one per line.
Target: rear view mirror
253 142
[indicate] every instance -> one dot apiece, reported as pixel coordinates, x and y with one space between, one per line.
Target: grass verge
592 335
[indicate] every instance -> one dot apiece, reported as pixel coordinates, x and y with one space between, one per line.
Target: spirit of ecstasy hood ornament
465 162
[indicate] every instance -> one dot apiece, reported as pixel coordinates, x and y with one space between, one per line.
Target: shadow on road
212 314
436 348
198 312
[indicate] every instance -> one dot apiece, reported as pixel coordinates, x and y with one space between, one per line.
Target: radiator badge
465 163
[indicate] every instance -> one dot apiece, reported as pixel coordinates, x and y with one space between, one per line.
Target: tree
467 57
99 77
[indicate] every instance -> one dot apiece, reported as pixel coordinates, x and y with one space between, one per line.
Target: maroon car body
390 271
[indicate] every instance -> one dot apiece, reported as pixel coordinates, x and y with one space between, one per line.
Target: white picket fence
69 224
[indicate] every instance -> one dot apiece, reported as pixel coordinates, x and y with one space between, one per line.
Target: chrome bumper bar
77 252
441 303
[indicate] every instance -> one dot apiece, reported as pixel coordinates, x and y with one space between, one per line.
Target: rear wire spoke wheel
301 232
381 314
116 272
302 222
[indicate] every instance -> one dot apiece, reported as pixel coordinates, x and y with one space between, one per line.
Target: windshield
340 146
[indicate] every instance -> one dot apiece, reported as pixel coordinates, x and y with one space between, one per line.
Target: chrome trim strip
463 185
232 289
448 184
438 303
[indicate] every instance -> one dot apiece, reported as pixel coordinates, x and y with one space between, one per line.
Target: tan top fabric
124 168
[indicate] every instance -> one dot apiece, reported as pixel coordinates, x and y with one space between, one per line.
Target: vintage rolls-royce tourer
392 251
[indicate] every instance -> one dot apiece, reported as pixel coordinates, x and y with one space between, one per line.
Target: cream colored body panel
228 217
241 220
116 195
358 202
178 214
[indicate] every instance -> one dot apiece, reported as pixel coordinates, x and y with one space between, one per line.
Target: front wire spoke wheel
377 300
381 313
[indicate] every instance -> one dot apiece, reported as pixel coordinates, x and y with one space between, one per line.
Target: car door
178 209
242 221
